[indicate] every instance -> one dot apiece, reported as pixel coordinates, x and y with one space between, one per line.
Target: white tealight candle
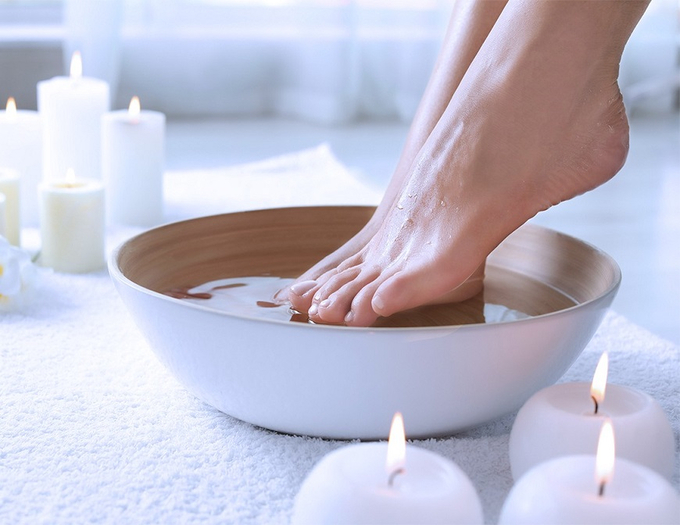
21 149
588 489
364 483
565 419
71 108
72 224
9 187
133 143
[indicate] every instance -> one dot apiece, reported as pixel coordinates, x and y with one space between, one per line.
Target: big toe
406 290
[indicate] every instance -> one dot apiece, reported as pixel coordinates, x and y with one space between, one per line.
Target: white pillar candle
72 224
9 187
21 149
561 420
356 484
133 143
71 108
590 489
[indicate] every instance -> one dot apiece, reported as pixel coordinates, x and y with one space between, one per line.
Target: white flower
17 275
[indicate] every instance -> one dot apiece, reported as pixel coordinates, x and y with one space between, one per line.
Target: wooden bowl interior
534 270
574 268
282 242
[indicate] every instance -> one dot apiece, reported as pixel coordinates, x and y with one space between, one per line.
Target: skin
470 23
537 118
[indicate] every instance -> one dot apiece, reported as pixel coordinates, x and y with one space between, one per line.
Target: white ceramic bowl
341 382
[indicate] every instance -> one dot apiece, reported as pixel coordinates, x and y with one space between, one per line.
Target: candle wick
601 491
597 405
395 473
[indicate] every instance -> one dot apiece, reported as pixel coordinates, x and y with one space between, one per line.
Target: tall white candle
565 419
21 149
9 187
72 224
133 143
71 108
591 489
365 484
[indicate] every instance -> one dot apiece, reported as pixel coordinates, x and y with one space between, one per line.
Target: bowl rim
117 274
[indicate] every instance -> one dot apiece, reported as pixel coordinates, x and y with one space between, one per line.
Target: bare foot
471 21
538 119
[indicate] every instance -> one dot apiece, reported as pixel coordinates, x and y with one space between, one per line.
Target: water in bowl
507 296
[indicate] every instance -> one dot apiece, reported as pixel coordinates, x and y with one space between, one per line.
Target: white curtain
327 61
322 61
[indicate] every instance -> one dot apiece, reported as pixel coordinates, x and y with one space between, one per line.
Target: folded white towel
94 429
309 177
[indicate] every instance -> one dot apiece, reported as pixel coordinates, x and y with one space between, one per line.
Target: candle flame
76 65
606 452
135 107
70 176
599 384
396 445
11 107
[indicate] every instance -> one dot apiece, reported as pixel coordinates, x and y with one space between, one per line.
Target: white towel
309 177
94 429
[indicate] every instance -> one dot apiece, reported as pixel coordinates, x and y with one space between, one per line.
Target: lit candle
386 483
132 165
71 108
565 419
9 187
72 224
21 149
587 489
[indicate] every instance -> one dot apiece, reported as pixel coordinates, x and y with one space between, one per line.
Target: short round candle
72 225
563 491
352 485
561 420
133 143
10 188
21 139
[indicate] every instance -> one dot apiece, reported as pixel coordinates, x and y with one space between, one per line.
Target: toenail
303 287
349 317
313 309
325 303
377 304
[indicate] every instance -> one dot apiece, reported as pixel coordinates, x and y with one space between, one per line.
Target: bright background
326 61
244 80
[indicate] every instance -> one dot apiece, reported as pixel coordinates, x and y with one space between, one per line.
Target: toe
361 312
471 287
301 294
409 289
335 307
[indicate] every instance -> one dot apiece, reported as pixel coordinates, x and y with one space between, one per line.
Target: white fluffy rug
93 428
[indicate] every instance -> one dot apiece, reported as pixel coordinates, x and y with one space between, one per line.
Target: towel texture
94 429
